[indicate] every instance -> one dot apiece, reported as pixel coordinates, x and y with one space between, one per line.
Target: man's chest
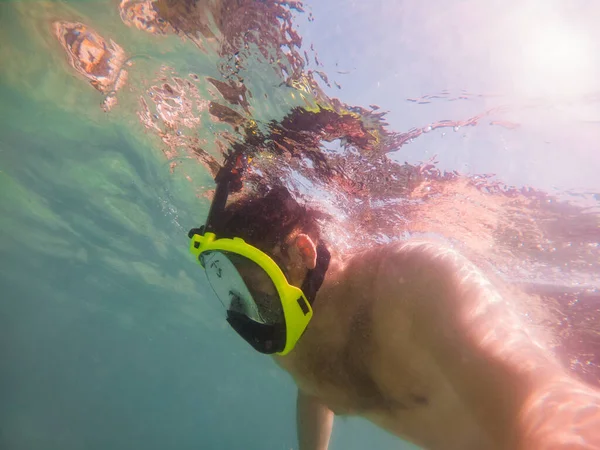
403 393
353 370
368 353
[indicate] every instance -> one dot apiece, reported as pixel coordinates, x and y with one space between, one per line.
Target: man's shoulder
414 264
414 249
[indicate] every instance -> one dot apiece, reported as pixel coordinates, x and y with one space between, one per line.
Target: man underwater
410 336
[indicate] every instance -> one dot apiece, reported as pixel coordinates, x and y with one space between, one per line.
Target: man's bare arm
314 422
510 380
564 414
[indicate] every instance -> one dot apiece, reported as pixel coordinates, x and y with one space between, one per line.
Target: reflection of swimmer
231 26
90 54
170 16
142 15
411 335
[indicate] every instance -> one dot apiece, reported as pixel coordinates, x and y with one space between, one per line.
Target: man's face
262 296
261 287
290 260
259 283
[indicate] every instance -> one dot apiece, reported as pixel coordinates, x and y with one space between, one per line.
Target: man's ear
307 249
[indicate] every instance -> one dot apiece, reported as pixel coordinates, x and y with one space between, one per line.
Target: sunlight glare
556 60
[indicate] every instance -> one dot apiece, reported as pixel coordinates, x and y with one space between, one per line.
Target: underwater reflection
347 162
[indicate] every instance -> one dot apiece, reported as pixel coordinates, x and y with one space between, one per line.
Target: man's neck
334 275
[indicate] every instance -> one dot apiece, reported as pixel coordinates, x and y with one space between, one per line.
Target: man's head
268 281
279 226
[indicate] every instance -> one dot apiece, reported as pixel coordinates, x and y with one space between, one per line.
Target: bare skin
415 339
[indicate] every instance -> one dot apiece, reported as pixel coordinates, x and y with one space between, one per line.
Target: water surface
110 336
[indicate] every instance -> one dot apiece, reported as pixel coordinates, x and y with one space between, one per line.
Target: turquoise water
109 336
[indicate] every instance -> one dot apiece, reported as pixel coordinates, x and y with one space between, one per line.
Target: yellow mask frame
297 310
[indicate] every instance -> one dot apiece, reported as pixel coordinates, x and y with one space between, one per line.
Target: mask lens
243 286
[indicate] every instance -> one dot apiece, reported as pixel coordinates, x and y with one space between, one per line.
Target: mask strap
229 178
217 207
315 277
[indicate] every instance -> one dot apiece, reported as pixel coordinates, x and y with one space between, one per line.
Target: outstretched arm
565 414
497 363
314 422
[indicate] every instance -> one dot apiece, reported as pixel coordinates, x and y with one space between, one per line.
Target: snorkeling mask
262 307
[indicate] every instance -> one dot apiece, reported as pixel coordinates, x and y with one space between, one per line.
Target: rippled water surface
472 122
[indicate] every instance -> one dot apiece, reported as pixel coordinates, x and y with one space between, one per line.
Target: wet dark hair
266 221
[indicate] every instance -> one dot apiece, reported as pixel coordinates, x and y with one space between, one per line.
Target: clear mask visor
243 286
